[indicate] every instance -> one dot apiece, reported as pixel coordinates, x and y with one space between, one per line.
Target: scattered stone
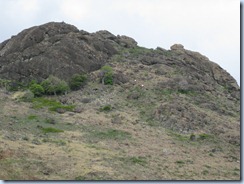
85 100
78 109
60 110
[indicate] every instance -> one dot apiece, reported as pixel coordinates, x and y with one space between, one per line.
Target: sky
211 27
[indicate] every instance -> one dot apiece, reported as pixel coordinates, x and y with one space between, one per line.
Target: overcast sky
211 27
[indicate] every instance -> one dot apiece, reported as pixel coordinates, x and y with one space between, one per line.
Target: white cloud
20 10
75 10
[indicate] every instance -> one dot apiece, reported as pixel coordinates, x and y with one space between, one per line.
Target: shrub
36 89
54 85
77 81
108 79
107 75
106 108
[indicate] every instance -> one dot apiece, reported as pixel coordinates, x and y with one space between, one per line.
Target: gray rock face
54 48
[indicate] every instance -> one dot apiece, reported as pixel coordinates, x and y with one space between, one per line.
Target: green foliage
107 69
137 51
205 136
52 104
107 77
36 89
53 85
51 130
44 102
77 81
60 106
179 137
106 108
32 117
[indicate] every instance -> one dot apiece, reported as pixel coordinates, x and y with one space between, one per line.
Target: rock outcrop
192 81
59 49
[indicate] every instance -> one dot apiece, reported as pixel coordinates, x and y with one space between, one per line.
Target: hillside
139 114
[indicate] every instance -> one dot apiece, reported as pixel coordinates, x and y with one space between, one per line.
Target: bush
107 75
36 89
106 108
54 85
108 79
77 81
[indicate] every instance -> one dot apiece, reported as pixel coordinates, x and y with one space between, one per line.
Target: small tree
77 81
36 89
107 75
54 85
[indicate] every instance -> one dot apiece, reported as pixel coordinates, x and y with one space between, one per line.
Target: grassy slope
36 143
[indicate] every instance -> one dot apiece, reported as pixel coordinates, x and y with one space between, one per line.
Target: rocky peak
62 50
177 47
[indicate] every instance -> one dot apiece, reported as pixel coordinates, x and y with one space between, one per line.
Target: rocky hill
163 114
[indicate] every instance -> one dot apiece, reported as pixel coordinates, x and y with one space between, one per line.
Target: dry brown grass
143 152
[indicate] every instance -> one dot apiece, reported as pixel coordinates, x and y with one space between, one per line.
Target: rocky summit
94 106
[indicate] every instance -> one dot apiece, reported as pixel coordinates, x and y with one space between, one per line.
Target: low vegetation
53 86
52 105
107 75
77 81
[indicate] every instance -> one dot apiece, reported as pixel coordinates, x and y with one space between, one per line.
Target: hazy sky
211 27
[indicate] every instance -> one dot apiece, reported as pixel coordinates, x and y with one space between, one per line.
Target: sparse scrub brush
107 75
77 81
54 85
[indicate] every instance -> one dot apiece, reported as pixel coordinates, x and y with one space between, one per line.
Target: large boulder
54 48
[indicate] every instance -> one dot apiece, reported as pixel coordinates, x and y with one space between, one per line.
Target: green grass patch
51 130
178 136
106 108
32 117
64 107
138 51
52 104
205 137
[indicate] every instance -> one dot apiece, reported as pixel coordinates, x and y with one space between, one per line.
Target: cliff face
54 48
157 94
